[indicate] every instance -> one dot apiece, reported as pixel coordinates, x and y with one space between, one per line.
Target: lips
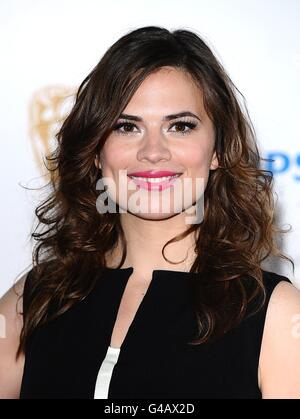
154 173
155 182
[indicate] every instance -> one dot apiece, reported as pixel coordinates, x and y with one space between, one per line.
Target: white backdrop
49 46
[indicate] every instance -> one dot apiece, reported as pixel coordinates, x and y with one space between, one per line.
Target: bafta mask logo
48 108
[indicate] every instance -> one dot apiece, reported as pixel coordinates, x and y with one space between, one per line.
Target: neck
145 240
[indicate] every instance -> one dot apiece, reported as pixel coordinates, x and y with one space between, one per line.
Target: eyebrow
165 118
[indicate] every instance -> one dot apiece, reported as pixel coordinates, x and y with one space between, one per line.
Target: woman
133 301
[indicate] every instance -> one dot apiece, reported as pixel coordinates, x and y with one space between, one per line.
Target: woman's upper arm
280 352
11 322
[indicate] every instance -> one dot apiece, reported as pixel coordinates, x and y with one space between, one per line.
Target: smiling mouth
157 183
155 179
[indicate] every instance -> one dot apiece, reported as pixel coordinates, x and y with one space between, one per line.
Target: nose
154 148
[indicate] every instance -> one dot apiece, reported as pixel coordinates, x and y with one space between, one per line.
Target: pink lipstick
154 180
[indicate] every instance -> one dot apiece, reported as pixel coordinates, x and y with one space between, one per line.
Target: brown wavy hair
238 230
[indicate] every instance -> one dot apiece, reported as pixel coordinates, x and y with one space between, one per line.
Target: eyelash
190 125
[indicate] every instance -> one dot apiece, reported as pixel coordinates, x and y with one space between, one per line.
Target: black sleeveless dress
62 358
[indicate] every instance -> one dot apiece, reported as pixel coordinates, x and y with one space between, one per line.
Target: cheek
197 160
112 159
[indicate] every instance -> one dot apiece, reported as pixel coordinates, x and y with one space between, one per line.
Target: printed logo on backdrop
48 108
283 163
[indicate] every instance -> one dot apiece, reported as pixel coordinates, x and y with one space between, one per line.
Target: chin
154 216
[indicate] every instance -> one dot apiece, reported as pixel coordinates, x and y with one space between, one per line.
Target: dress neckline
167 291
155 272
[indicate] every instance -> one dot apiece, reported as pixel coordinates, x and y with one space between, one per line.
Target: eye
127 125
182 125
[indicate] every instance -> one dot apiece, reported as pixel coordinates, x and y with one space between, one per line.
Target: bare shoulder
11 322
279 364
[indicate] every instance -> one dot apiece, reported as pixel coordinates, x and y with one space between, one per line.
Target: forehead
166 90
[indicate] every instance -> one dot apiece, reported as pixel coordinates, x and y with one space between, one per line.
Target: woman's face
149 140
